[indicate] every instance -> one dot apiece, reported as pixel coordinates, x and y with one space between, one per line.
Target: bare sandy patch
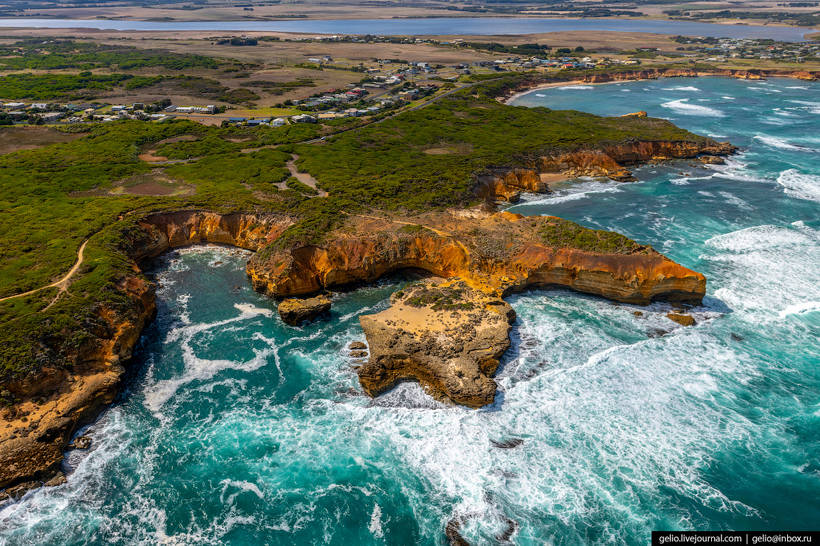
553 179
460 148
14 139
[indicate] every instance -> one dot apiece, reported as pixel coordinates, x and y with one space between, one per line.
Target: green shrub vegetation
560 233
438 298
53 198
60 54
384 165
58 86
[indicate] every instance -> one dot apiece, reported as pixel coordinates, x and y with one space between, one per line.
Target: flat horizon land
745 12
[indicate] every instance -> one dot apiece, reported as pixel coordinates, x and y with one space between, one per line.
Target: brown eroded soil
13 139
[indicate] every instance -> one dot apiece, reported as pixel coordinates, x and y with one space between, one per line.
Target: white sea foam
735 200
766 89
766 269
241 486
540 95
812 106
574 192
735 169
375 526
802 186
682 88
800 308
682 106
781 144
202 369
199 369
571 87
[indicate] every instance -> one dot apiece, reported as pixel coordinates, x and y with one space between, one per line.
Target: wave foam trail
766 269
779 143
575 192
800 308
813 107
734 169
799 185
571 87
202 369
682 106
682 88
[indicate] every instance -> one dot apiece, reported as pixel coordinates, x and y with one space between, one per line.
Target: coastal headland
616 76
418 190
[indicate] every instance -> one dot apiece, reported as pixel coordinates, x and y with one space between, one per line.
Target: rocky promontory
608 161
495 252
442 333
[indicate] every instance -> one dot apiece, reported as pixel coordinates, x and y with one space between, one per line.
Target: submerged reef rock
442 333
683 320
295 311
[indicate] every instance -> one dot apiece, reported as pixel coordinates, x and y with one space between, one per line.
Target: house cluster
209 109
722 49
45 112
154 112
328 100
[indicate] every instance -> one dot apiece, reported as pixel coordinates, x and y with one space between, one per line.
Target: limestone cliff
494 253
166 230
497 253
608 161
57 401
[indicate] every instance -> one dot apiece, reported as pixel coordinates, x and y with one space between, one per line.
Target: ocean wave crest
682 106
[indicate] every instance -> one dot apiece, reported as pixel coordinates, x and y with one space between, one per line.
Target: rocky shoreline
527 86
487 254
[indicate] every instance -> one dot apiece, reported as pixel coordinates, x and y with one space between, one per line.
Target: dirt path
62 283
304 178
434 230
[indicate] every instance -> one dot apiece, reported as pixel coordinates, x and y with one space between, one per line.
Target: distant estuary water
237 429
431 26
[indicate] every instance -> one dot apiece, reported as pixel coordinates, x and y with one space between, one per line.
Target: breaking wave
802 186
682 106
781 144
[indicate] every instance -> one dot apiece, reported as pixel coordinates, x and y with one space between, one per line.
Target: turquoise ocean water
235 428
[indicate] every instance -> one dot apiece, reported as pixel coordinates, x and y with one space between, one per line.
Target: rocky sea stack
442 333
295 311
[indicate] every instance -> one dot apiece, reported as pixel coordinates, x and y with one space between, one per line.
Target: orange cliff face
497 253
606 161
57 401
166 230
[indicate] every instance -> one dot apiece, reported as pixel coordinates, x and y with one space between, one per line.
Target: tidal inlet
500 278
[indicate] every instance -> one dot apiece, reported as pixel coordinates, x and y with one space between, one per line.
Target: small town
390 84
